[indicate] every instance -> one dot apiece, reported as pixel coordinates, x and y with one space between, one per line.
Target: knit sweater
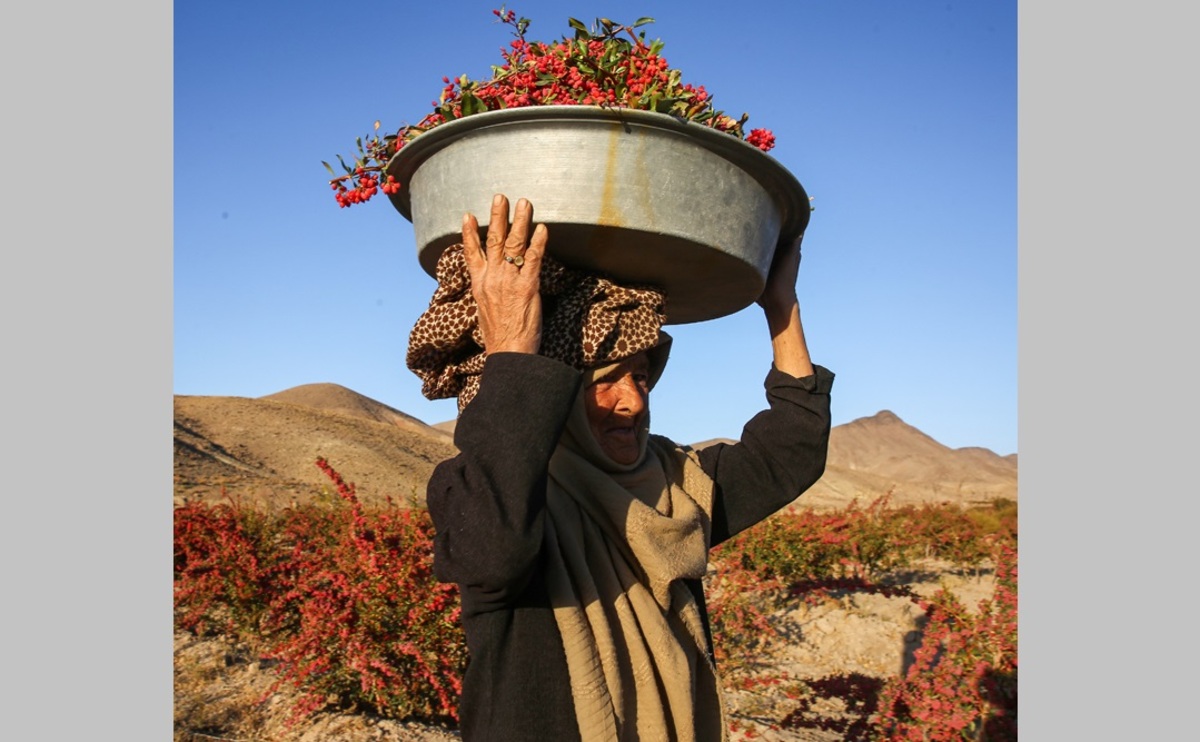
488 509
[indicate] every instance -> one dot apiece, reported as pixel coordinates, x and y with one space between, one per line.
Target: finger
497 229
472 251
538 244
515 244
537 248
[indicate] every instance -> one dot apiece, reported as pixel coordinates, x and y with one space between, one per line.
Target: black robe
488 507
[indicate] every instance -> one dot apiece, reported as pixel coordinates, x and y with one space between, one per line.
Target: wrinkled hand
779 294
505 278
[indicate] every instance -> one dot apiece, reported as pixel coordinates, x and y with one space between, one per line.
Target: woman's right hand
505 278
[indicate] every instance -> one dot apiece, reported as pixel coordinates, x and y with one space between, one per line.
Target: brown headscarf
587 320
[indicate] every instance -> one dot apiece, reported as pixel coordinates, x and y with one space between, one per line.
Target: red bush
962 684
357 613
218 579
344 598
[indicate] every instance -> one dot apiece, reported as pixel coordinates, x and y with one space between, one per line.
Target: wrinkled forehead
638 363
655 359
635 364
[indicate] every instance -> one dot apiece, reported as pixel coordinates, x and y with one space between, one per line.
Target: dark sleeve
781 453
487 502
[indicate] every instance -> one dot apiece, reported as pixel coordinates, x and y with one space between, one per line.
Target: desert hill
874 455
336 398
263 449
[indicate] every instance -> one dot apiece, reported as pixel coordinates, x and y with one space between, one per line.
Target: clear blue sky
898 117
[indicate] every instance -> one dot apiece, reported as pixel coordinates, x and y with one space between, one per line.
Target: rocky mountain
263 450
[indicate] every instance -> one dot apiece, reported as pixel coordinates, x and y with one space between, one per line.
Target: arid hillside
263 450
871 456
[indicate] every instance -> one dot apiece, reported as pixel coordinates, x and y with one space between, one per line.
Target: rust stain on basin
610 214
641 181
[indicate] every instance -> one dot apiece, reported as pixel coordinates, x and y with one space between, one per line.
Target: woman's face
617 405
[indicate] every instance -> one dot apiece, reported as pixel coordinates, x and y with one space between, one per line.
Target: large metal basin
642 197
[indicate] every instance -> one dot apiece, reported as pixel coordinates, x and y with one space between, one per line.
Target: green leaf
472 105
329 168
642 21
577 25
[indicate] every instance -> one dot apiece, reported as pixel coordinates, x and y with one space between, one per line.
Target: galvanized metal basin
639 196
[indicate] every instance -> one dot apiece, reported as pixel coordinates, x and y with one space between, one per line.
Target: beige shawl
619 542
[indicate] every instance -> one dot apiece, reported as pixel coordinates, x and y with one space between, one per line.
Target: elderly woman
577 538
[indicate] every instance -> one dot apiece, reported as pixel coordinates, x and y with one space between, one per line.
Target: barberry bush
963 681
962 684
343 597
220 583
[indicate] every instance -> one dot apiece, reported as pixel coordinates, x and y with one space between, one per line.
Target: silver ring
517 261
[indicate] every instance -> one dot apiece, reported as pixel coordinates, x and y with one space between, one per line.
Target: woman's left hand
779 294
782 309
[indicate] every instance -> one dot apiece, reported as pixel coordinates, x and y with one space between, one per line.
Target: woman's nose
633 398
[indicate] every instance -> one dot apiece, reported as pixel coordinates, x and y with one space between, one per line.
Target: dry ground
219 684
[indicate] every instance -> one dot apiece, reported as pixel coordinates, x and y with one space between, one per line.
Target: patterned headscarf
587 320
